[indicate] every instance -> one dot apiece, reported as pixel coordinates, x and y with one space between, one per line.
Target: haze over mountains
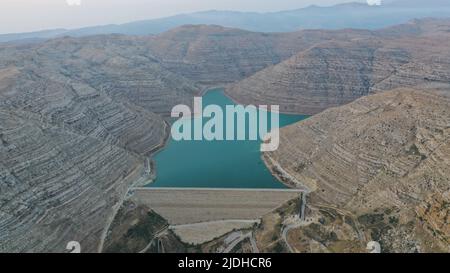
350 15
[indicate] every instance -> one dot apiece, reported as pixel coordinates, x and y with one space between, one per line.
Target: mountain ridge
80 115
336 72
382 158
312 17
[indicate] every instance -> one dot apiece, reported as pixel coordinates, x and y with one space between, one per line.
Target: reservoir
216 164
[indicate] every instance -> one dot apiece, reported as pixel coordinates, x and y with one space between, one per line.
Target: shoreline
281 175
150 173
289 183
236 101
212 87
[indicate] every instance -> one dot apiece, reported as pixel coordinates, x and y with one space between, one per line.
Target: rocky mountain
347 15
334 73
210 55
80 115
77 118
383 157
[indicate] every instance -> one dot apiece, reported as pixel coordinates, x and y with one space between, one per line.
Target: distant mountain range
349 15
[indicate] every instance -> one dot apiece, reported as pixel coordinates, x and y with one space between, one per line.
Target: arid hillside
77 118
385 156
337 72
211 54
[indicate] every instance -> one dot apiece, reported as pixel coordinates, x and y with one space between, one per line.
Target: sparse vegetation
134 229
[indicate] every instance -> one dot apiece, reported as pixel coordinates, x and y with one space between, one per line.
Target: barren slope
383 154
337 72
77 117
95 106
211 54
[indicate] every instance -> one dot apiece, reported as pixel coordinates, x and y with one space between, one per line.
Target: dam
207 188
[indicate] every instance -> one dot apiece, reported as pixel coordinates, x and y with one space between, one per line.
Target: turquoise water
216 164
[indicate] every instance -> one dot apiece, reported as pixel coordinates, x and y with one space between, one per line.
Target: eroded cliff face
77 118
381 154
334 73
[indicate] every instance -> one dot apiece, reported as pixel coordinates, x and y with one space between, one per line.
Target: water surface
216 164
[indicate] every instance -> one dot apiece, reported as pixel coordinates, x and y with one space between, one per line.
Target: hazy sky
31 15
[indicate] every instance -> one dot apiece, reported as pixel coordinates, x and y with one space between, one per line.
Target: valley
82 118
336 72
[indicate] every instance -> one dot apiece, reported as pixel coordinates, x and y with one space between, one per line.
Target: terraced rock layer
333 73
77 118
79 115
215 55
383 153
